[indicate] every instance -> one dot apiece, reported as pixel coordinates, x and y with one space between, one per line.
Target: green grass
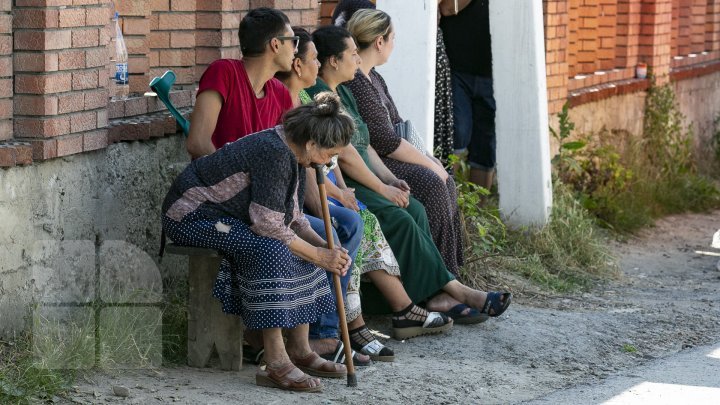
568 253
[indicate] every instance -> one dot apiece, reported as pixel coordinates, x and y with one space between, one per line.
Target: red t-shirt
242 113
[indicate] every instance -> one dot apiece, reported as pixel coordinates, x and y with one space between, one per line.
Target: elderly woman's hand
335 261
348 200
396 196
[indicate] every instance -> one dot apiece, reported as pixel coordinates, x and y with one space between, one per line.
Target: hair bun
326 104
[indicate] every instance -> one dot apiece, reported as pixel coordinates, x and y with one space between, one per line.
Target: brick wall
55 66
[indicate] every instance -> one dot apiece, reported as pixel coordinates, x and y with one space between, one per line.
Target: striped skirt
259 278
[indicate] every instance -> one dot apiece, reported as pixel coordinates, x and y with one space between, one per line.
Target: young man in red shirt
240 97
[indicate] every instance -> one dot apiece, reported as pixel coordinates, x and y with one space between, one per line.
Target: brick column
6 71
303 13
216 37
683 15
607 34
587 35
172 41
712 26
698 10
628 30
327 7
556 36
135 19
655 37
61 75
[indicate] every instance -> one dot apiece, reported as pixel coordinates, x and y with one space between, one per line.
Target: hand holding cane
351 378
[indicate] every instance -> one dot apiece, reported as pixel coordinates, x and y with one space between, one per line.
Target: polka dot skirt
259 278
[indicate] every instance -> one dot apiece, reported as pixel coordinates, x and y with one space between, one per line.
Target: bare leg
297 341
275 354
391 288
455 293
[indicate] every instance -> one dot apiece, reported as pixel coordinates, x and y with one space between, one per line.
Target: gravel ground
667 301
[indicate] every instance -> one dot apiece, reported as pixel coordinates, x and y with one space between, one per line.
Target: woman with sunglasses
374 251
423 273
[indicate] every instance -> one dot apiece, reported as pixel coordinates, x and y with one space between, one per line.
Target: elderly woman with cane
244 200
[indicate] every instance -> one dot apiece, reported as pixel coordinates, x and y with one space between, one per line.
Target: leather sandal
315 365
496 302
280 378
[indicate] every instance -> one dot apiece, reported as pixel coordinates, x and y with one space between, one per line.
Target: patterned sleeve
300 222
269 184
382 131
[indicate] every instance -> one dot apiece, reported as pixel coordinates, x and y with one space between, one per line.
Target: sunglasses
295 39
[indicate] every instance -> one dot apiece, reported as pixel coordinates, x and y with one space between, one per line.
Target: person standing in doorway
466 28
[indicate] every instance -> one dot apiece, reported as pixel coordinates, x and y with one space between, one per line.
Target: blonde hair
367 24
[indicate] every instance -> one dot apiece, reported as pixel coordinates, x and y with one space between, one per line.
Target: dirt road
668 301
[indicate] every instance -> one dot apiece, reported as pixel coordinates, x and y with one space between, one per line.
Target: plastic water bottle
122 86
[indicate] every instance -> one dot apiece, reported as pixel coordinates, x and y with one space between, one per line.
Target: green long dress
423 272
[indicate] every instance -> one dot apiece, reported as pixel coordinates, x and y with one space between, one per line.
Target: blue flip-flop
473 316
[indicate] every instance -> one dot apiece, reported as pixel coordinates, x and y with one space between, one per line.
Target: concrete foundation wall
698 99
108 195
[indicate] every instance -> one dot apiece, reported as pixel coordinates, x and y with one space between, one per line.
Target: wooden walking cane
351 378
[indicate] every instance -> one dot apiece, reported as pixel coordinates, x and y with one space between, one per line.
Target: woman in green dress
424 276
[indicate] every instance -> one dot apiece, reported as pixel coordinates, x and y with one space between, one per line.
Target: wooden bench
208 326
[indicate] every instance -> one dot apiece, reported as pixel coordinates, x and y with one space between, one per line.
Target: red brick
96 57
182 39
87 2
177 57
42 40
6 23
6 66
309 18
73 59
5 45
95 140
182 5
6 88
175 21
83 121
6 108
85 79
138 64
43 149
160 5
71 102
85 38
35 62
71 17
102 118
7 156
35 105
136 26
99 15
43 84
133 8
23 153
96 99
42 3
6 129
137 45
69 145
139 83
136 106
42 127
35 18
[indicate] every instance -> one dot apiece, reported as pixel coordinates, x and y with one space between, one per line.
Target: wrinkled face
309 67
349 61
316 155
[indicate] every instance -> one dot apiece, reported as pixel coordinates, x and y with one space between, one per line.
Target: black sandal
338 356
497 302
362 340
415 321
